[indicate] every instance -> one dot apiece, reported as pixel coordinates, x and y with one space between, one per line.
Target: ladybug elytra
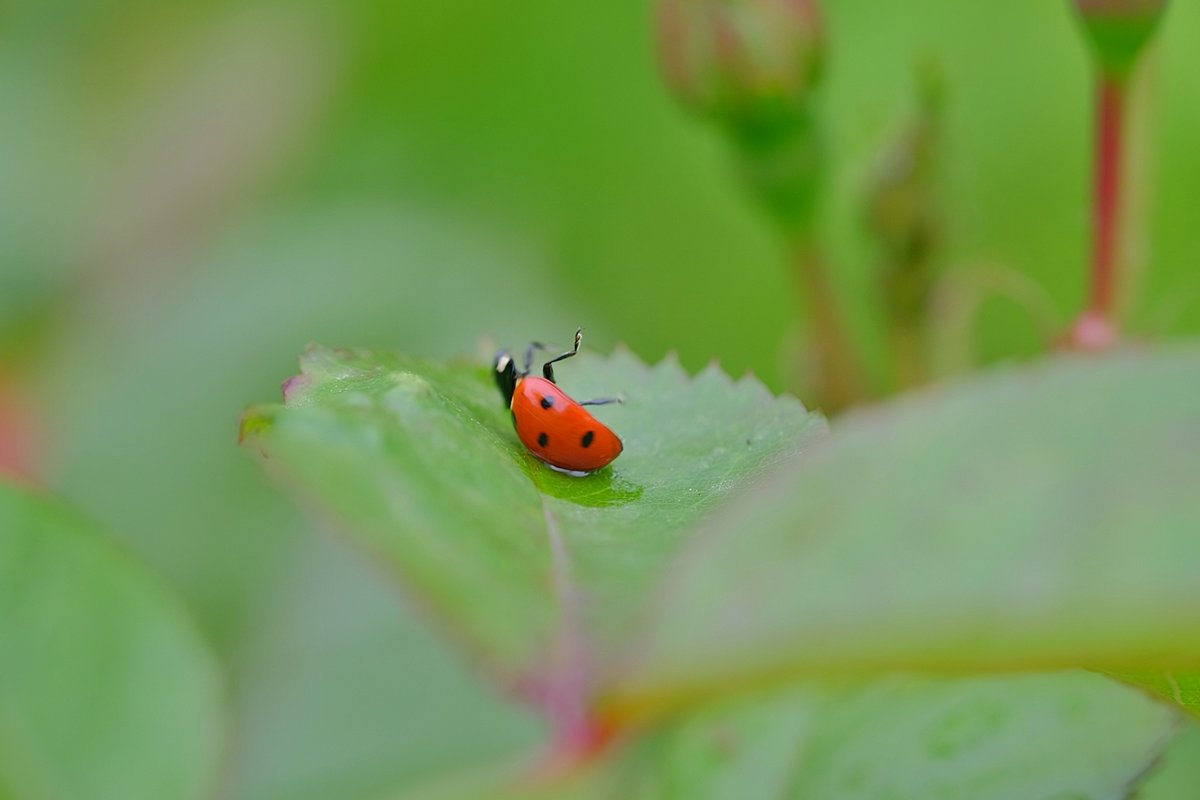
551 425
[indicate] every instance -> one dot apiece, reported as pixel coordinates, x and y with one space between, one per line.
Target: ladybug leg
602 401
548 370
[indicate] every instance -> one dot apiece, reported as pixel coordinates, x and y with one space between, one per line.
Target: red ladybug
555 428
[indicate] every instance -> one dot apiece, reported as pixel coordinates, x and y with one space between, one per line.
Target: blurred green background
192 191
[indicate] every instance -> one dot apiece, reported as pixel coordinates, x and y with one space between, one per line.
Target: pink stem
18 424
1110 118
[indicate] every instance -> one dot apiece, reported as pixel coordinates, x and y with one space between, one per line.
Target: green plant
982 589
892 545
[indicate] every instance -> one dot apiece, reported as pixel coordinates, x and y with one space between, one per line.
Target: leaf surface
1037 517
539 573
903 738
107 692
1178 687
1178 774
343 694
1065 735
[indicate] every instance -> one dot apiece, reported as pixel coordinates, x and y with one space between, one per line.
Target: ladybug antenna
504 369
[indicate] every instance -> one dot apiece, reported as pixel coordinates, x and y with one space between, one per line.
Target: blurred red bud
1119 29
743 61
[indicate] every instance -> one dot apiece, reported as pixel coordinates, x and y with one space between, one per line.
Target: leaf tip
670 364
254 420
294 386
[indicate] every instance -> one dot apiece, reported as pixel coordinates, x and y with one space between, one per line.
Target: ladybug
552 426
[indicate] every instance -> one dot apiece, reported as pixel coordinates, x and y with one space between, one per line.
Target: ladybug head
505 372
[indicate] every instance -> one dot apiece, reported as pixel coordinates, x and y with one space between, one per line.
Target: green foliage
106 690
421 462
1066 735
1037 517
344 693
944 532
1070 734
1179 774
1179 687
416 175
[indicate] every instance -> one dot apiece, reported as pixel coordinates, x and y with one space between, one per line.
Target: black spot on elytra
547 402
587 438
543 439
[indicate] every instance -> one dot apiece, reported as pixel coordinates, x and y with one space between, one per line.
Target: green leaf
1037 517
539 573
343 694
1179 773
902 738
106 690
1063 735
1180 688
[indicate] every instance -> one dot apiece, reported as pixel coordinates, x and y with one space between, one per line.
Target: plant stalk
1096 328
908 355
841 373
1106 209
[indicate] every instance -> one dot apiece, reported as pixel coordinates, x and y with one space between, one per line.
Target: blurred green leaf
1036 517
1064 735
209 524
106 690
1072 734
529 566
343 694
1180 688
596 780
1178 776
